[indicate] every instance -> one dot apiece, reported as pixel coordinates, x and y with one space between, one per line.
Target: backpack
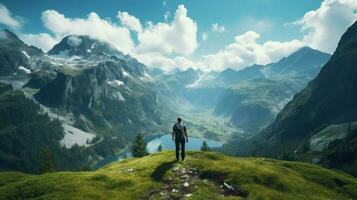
180 130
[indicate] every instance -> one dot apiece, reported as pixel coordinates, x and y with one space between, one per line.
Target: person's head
179 119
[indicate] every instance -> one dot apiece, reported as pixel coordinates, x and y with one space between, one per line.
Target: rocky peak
83 46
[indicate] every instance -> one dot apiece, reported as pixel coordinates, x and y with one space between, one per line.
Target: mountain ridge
326 102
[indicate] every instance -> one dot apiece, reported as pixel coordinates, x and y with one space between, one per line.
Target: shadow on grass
160 171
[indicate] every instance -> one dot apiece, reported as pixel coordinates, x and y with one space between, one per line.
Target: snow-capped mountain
17 60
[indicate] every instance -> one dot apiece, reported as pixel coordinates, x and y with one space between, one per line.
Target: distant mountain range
319 124
250 98
254 95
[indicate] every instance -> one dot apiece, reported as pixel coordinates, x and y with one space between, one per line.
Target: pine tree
159 148
48 162
205 146
139 147
125 155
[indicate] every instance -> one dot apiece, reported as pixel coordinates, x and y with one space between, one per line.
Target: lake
167 143
153 142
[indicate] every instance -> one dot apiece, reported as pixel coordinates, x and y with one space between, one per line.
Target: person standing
179 136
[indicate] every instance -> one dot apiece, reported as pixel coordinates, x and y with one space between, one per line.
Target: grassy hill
208 175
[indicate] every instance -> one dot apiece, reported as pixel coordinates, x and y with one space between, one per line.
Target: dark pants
178 143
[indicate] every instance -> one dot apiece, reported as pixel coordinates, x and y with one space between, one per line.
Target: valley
176 100
104 98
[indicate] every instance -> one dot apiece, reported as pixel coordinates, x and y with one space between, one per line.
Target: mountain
319 122
99 98
97 88
17 59
230 76
83 46
306 62
203 176
253 104
258 93
179 79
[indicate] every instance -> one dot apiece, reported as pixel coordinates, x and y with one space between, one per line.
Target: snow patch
106 54
118 95
75 136
72 135
126 74
115 83
146 77
27 71
25 53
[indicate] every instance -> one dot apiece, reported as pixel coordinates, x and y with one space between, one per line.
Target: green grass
261 178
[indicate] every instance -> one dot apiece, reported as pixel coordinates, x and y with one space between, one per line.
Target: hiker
179 136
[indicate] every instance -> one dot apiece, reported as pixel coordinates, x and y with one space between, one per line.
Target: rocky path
183 182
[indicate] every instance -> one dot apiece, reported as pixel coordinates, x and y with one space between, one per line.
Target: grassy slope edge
260 178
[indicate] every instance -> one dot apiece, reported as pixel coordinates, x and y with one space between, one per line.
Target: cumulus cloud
178 37
8 19
325 25
215 28
169 44
40 40
130 21
245 51
166 63
92 26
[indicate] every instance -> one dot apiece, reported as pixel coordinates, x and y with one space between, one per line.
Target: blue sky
258 21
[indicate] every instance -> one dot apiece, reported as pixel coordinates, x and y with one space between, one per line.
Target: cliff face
330 98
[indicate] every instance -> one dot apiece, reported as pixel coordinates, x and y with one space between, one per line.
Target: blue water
166 142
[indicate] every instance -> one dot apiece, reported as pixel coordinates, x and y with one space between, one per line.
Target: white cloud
204 36
169 44
74 41
92 26
215 28
130 21
7 19
41 40
167 64
245 51
325 25
177 37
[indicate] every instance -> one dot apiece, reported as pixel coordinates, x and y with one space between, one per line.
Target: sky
210 35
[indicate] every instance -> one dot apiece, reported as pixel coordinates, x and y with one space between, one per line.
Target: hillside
318 125
207 175
25 142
